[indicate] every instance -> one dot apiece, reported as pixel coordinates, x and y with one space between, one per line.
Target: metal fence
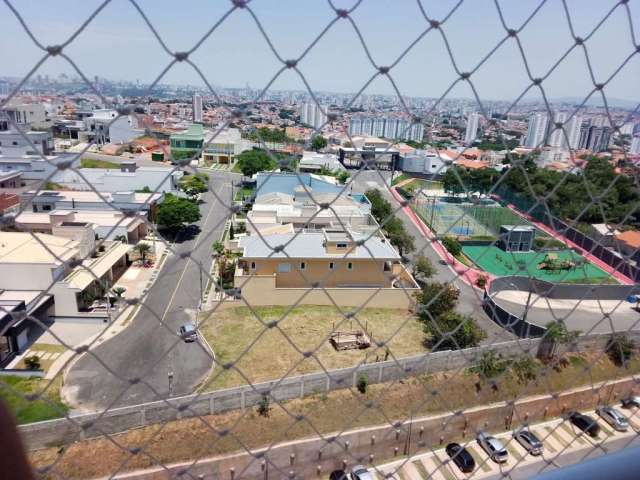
136 398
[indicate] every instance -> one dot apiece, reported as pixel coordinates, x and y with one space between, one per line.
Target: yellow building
342 267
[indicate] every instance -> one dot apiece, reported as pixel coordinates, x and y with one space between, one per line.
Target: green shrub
32 362
452 245
620 349
481 281
525 368
490 365
264 406
363 383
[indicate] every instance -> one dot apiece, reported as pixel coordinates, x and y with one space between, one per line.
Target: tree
192 185
435 299
254 161
119 291
401 239
174 212
620 349
318 143
380 208
455 180
423 268
218 247
452 245
453 330
143 249
556 334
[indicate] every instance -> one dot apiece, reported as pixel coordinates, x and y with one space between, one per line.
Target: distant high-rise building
473 121
599 138
355 126
197 108
627 128
416 132
557 135
536 130
378 127
635 145
572 129
391 128
313 115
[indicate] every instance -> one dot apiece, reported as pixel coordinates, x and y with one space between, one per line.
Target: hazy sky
118 45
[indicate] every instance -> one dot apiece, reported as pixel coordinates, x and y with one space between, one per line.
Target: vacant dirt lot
263 353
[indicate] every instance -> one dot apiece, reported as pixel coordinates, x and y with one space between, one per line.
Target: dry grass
271 355
185 439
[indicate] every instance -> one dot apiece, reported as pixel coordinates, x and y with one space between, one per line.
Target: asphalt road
470 301
146 349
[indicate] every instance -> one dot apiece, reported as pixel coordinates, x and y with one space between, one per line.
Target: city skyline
472 31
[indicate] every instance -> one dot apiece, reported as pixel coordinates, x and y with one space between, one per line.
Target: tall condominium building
473 122
386 127
197 108
556 135
311 114
599 138
572 128
536 130
635 145
627 128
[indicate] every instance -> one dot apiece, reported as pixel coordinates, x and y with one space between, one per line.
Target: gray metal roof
311 245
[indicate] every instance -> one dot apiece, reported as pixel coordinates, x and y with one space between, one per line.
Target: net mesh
145 377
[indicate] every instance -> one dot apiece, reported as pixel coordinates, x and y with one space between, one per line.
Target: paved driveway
146 349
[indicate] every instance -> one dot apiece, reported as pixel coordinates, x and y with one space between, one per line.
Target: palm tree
143 249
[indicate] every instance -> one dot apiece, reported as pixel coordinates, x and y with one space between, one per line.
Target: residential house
314 162
188 143
338 266
223 146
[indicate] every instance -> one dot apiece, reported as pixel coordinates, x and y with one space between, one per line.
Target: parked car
529 441
188 332
461 457
631 402
614 418
359 472
494 447
585 423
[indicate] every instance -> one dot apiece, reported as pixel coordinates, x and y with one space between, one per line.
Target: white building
313 161
536 130
129 177
14 143
26 116
355 126
635 145
313 115
573 133
223 146
556 135
426 162
627 128
197 108
473 122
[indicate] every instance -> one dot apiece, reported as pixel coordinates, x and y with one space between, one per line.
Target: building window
303 265
350 266
331 265
253 265
341 245
284 267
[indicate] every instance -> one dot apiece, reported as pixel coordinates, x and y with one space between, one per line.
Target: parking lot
564 444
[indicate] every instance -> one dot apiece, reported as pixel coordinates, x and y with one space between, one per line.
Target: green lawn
92 163
244 192
45 407
500 263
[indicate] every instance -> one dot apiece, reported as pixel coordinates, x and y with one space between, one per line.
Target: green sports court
570 266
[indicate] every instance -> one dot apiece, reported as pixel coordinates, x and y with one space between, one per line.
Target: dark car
188 332
585 423
529 441
461 457
631 402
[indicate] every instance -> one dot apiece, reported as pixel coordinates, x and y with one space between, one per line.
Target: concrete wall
63 431
24 276
261 290
363 272
318 457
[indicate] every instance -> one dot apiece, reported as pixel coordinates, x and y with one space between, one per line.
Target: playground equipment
350 340
552 263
